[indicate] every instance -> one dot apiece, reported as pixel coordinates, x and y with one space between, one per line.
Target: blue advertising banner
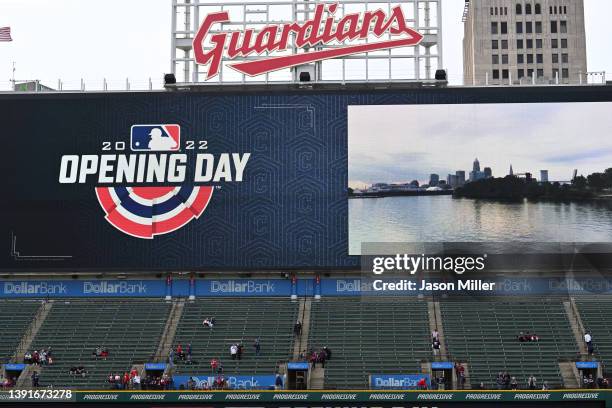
155 366
397 381
441 365
243 287
14 367
89 288
298 366
238 382
581 365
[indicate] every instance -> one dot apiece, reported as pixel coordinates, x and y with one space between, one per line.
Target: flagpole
14 87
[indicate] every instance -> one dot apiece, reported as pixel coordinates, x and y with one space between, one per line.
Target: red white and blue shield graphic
145 212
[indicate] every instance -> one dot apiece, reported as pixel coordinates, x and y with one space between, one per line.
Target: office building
523 42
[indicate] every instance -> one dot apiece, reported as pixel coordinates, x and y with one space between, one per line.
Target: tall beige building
524 41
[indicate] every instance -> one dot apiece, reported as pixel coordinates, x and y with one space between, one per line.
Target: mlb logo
155 138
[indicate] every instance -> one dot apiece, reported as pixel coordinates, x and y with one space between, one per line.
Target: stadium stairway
596 317
484 333
369 336
18 319
167 338
129 329
270 319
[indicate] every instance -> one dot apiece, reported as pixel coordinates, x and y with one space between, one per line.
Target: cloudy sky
115 39
402 143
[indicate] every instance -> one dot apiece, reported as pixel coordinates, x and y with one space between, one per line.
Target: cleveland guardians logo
124 181
212 42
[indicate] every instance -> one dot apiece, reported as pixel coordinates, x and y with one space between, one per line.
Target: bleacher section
382 335
16 316
130 329
596 316
484 333
238 320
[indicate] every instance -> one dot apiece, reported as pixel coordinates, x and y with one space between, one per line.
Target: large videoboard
196 181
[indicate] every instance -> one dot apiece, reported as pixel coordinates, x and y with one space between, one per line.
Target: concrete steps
167 338
32 331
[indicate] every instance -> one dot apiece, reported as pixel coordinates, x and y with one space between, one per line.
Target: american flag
5 34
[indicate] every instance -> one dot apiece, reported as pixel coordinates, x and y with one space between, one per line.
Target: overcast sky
402 143
115 39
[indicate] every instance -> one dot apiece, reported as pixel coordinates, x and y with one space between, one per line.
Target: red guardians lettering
320 30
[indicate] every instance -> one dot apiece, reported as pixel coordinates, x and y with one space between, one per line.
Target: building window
553 27
521 73
519 44
505 74
540 58
496 10
540 73
505 59
565 73
495 59
520 59
538 43
491 10
563 27
496 74
564 43
527 8
555 9
495 44
505 11
555 58
538 8
554 43
529 43
494 28
504 28
530 58
519 9
530 73
504 44
529 27
519 27
538 27
555 73
564 58
564 9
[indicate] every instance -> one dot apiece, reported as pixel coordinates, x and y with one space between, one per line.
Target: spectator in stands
481 386
435 347
521 337
545 386
35 379
126 380
506 380
532 383
43 357
500 381
239 351
78 370
208 323
313 359
435 336
214 364
233 351
104 353
136 382
588 338
514 384
35 357
297 329
97 353
117 381
179 352
27 358
328 353
278 382
189 351
422 384
171 357
257 346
